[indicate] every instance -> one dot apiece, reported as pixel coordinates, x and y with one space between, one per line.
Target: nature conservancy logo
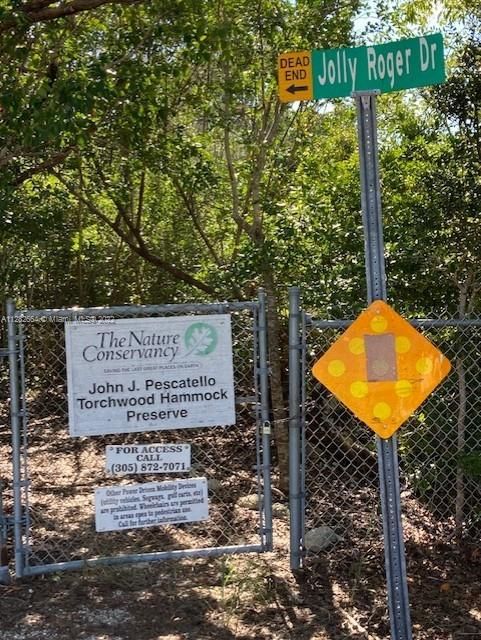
200 339
151 343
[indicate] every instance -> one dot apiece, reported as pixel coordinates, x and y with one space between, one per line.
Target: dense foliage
145 157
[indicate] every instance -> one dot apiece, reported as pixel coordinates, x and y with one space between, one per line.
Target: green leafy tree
161 123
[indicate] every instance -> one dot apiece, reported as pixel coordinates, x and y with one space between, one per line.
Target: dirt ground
340 595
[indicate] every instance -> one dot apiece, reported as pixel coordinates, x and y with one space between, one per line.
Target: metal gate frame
297 358
20 522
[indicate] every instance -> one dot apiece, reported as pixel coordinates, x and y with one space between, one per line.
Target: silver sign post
395 558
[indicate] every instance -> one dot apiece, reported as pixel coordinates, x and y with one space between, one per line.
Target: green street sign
337 73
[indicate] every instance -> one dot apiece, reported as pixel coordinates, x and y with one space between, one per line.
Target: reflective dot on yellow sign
336 368
382 410
379 324
424 366
359 389
403 344
403 388
356 346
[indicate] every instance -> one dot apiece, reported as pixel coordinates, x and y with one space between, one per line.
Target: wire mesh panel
340 476
440 455
59 473
440 445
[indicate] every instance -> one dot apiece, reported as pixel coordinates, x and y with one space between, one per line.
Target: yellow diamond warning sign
295 76
382 368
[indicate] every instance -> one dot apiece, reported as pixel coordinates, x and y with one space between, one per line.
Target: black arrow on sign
293 89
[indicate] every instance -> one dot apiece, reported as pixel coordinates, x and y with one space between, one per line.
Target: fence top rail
128 310
415 322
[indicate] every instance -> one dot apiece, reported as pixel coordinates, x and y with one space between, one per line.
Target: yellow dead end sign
381 368
295 76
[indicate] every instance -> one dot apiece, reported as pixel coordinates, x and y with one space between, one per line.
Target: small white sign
144 374
147 458
152 503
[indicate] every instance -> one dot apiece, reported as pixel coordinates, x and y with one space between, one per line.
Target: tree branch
140 248
238 218
267 134
191 209
49 163
35 5
140 200
42 11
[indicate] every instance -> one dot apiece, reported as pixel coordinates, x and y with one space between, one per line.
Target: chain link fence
51 499
439 450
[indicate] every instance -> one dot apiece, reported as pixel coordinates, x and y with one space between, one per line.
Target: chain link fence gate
336 483
49 505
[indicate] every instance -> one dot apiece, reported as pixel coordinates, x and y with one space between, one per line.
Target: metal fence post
16 445
294 429
303 360
395 559
266 427
4 573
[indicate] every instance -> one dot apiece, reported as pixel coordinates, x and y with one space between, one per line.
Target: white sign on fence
147 458
149 504
149 374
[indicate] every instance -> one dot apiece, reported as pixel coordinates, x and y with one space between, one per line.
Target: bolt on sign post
381 368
